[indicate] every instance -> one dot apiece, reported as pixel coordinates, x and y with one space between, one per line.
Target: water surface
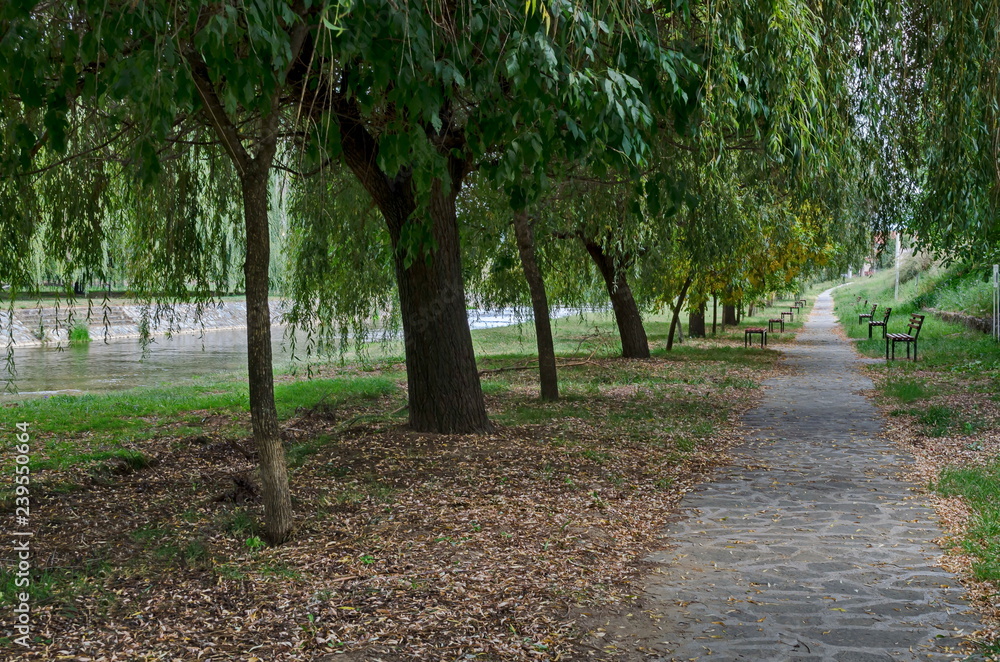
121 364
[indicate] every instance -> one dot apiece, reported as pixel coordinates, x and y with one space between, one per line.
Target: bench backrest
915 322
888 311
872 313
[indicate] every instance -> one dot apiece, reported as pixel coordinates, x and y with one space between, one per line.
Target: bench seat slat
913 331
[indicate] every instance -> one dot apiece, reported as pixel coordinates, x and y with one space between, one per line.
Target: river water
120 364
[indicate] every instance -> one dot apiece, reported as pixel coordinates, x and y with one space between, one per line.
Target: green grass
942 345
297 454
937 420
58 586
109 428
980 487
906 390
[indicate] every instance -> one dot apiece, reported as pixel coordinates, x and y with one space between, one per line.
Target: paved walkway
809 547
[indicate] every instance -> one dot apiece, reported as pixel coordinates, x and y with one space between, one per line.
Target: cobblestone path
809 547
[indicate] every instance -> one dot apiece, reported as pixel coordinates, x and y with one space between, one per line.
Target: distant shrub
926 299
914 266
79 334
972 294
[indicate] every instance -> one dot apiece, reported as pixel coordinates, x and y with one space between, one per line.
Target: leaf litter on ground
408 546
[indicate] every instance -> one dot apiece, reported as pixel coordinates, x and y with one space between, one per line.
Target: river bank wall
42 326
984 324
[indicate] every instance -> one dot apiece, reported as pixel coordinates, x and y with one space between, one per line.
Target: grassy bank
408 546
945 409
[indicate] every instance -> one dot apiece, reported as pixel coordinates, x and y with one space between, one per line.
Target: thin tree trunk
278 518
253 171
715 313
547 374
635 345
696 322
677 312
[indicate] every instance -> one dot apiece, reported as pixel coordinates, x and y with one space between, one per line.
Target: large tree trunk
263 414
635 345
696 321
677 312
729 314
443 382
444 392
540 306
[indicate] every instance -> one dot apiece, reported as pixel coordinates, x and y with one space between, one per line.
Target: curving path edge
808 547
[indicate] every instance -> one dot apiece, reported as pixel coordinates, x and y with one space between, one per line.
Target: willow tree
414 97
946 73
511 263
782 115
173 76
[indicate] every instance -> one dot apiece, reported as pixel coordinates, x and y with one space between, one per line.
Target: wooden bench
776 320
884 323
801 303
910 336
750 331
867 316
791 317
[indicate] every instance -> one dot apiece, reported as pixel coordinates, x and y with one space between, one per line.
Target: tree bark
278 518
444 392
677 312
253 171
696 322
729 314
547 374
445 395
635 345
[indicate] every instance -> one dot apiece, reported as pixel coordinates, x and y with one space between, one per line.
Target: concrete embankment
39 326
984 324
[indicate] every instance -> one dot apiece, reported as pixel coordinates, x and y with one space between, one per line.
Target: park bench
801 303
776 320
868 315
884 323
791 317
749 332
912 331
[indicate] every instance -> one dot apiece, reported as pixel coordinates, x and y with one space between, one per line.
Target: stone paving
810 546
